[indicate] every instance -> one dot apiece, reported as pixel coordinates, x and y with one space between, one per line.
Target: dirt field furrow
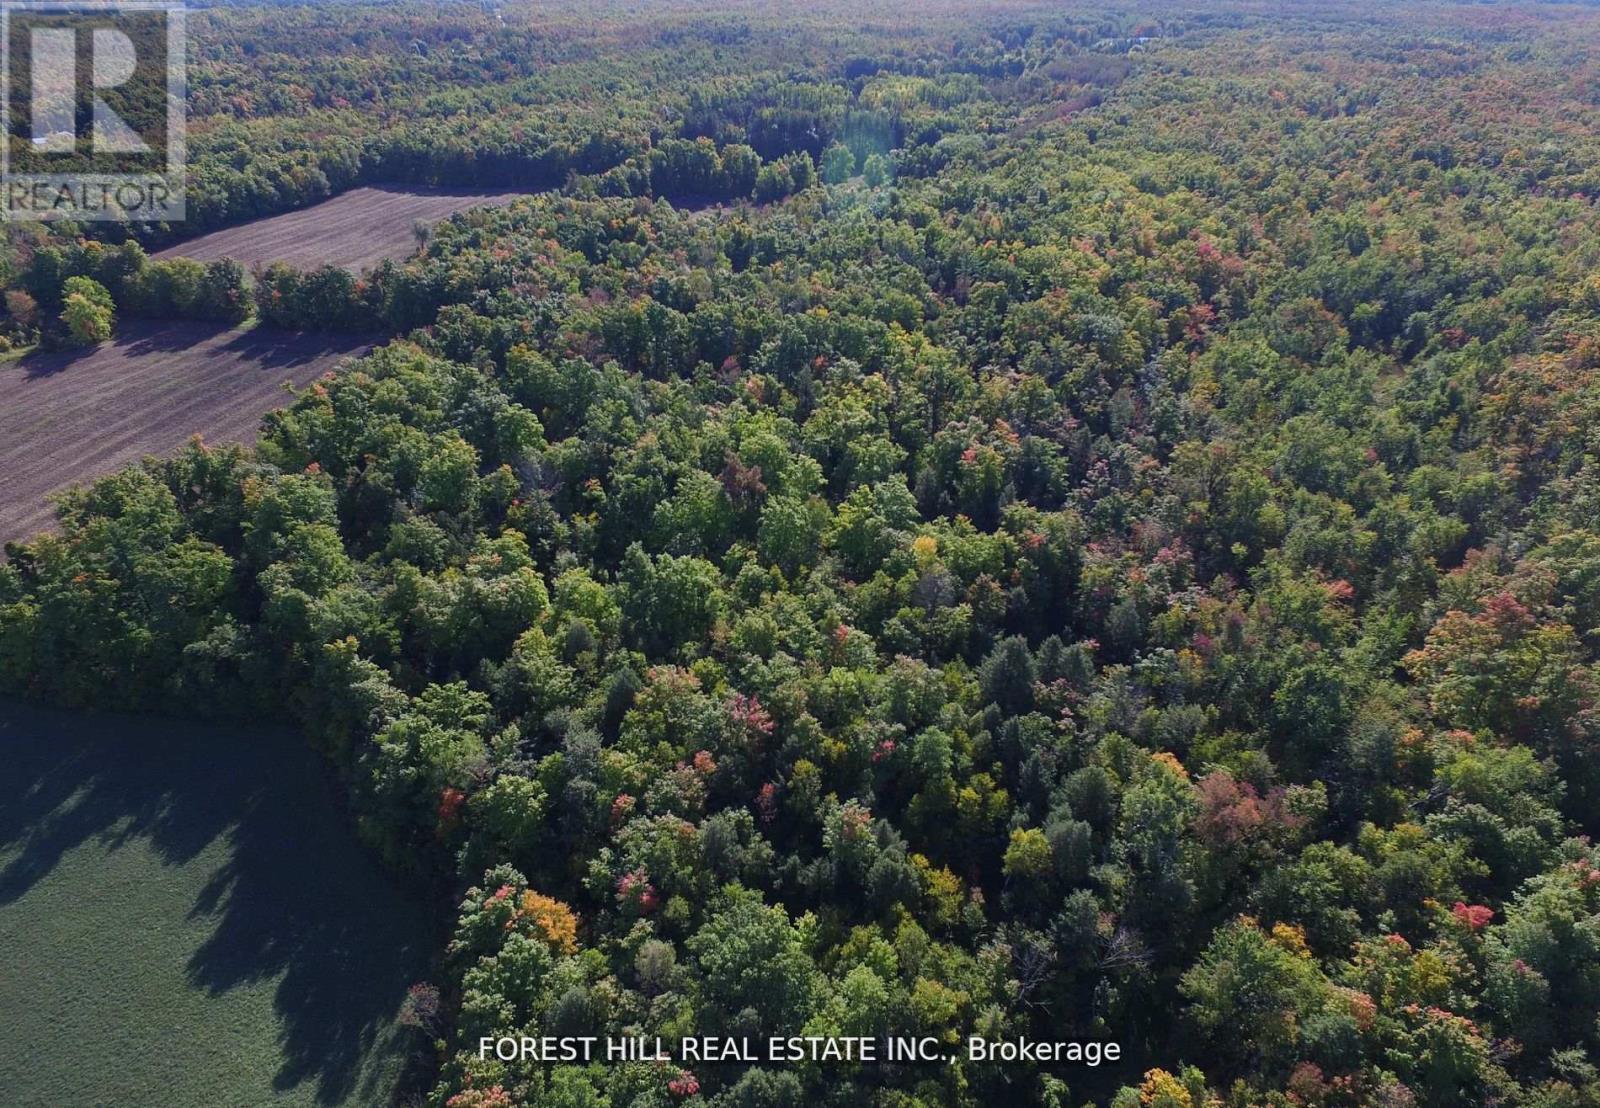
356 230
69 417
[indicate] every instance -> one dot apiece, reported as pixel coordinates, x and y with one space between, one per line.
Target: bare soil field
71 416
356 230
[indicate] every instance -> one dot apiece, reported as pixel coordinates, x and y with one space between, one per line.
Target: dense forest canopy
977 520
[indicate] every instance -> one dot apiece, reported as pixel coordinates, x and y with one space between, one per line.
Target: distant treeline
287 109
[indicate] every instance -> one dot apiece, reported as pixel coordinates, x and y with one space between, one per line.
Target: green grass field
186 921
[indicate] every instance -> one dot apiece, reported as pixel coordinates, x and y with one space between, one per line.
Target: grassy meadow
186 921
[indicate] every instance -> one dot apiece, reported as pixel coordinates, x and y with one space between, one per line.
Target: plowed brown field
356 230
68 417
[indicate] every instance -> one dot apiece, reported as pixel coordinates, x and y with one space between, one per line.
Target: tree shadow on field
132 339
295 899
267 348
271 348
47 363
165 337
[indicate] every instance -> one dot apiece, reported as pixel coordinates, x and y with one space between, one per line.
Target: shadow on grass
296 900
